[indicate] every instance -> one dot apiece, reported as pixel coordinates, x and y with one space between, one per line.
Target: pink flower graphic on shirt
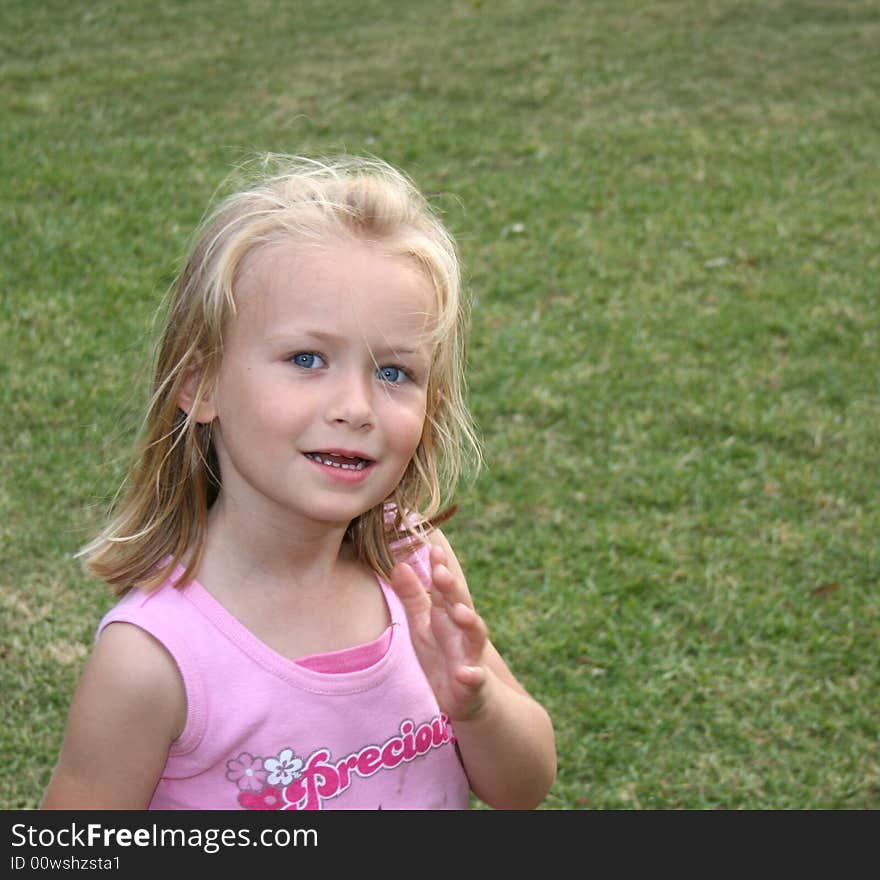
247 771
267 799
283 769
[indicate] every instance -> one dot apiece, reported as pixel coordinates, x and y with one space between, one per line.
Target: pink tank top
352 729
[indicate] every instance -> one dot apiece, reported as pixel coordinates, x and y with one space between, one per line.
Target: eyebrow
329 337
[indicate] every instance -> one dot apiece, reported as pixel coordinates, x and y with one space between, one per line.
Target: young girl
294 633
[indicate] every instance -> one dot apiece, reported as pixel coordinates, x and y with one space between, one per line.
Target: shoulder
129 707
138 677
163 617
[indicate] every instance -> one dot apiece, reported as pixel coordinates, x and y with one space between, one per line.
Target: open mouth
344 462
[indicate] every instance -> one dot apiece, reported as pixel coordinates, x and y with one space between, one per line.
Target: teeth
346 467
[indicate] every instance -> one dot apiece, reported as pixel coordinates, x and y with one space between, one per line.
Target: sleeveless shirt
353 729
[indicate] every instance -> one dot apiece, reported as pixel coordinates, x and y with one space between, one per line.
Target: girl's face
320 398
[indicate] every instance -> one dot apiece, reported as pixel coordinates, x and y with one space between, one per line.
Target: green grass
668 216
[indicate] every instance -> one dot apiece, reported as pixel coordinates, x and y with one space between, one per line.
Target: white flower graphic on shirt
283 769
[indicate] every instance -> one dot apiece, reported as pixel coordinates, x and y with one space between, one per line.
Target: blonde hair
160 517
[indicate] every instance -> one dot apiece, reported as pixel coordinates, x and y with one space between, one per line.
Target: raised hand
449 637
504 737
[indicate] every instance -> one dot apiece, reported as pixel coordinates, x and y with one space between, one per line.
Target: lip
346 453
341 474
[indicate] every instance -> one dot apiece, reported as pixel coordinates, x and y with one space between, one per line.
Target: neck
247 550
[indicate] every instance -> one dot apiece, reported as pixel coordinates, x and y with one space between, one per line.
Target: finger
440 589
474 632
452 588
449 640
442 580
405 582
469 622
437 555
447 634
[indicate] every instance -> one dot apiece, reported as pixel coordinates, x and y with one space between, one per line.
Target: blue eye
394 375
308 360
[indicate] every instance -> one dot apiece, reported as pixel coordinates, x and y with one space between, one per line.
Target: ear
202 409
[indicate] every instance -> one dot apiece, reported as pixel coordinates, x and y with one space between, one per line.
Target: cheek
409 424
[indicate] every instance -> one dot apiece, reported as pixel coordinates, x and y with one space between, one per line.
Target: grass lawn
668 215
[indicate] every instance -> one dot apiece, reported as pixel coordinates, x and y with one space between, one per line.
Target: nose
350 402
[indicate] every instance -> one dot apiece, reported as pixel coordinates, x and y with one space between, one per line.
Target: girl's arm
129 706
505 737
